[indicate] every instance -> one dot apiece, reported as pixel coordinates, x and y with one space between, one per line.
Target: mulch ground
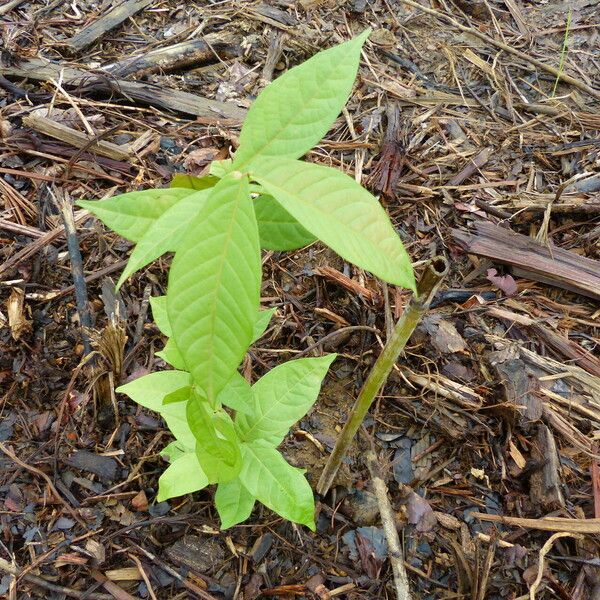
487 431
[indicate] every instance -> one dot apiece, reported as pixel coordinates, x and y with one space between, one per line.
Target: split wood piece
473 165
75 138
9 6
351 285
532 260
388 522
177 56
546 524
567 203
545 484
109 20
563 345
150 94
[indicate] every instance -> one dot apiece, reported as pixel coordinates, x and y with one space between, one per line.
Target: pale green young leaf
234 503
214 286
217 445
282 397
150 390
297 109
174 450
237 394
275 483
277 229
132 214
261 323
159 314
342 214
165 234
182 180
171 355
183 476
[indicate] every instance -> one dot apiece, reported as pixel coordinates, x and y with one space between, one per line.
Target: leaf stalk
427 287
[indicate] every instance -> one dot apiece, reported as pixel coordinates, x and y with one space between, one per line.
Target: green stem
418 305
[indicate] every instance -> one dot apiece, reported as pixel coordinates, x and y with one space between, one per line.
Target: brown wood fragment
109 20
80 81
473 165
545 524
545 484
351 285
532 260
177 56
76 138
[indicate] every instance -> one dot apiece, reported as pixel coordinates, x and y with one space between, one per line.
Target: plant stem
418 305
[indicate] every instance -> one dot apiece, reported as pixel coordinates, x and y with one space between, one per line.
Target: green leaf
275 483
165 234
174 450
234 503
277 229
217 445
183 476
181 180
159 314
282 397
171 355
261 323
214 286
297 109
237 394
220 168
132 214
342 214
150 390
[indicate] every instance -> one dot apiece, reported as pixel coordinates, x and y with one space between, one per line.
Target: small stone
361 507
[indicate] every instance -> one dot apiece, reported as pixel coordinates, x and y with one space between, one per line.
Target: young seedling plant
227 431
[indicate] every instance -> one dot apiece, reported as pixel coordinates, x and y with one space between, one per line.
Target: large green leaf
217 445
282 397
234 503
214 286
182 180
277 229
165 234
275 483
342 214
296 110
132 214
183 476
171 355
237 394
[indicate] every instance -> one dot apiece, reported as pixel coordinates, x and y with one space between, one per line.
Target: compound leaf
183 476
297 109
165 233
342 214
277 229
234 503
275 483
132 214
214 286
282 397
